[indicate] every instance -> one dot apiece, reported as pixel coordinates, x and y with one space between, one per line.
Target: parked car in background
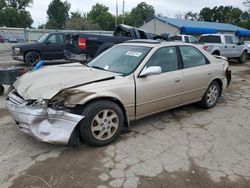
225 45
48 47
183 38
127 82
83 47
1 39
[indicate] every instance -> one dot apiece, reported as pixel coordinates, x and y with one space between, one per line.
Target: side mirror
152 70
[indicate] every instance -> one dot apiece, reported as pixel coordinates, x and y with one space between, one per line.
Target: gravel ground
185 147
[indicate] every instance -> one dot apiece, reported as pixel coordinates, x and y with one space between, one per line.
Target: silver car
72 103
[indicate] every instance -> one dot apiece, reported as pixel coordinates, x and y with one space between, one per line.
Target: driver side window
166 58
55 39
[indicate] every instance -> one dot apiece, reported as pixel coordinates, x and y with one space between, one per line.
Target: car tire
102 124
243 57
1 89
211 96
32 58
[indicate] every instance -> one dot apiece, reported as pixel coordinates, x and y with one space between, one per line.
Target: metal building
172 26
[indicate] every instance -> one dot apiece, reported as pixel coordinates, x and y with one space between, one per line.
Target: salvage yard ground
187 147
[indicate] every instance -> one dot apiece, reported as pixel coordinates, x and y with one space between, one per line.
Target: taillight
205 47
82 43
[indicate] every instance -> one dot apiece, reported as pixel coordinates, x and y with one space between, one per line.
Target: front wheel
32 58
211 96
102 124
243 57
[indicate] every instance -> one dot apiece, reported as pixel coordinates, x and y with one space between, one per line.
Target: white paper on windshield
134 54
106 67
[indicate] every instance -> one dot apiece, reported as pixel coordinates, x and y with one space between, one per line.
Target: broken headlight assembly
68 98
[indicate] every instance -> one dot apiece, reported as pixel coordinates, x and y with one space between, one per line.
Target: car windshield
42 38
122 59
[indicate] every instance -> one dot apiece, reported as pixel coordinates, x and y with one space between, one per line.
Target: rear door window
228 40
192 57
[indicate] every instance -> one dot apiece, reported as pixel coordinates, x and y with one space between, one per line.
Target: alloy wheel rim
212 95
34 58
104 124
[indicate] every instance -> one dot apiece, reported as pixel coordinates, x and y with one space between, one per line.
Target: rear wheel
102 124
32 58
211 96
243 57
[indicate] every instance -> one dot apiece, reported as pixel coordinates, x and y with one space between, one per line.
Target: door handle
233 46
209 73
177 80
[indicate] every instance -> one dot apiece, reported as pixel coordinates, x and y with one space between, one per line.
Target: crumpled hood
48 81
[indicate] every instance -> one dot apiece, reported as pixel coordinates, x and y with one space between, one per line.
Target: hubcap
212 95
104 124
34 58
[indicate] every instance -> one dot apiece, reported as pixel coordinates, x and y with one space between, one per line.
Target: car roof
153 43
217 34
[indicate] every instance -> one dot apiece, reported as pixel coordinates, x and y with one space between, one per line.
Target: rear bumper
44 124
75 57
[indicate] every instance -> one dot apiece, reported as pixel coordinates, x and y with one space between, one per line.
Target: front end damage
36 118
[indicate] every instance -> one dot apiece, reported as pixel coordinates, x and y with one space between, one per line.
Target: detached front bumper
45 124
17 56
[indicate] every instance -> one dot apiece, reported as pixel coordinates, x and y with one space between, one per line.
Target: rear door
197 74
156 93
54 47
237 47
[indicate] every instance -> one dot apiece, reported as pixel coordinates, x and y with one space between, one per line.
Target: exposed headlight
68 98
17 49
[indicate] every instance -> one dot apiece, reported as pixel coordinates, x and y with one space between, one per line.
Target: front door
54 46
156 93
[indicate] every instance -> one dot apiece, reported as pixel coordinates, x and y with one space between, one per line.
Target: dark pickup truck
83 47
49 47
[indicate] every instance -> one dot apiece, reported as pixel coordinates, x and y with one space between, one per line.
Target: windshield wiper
96 67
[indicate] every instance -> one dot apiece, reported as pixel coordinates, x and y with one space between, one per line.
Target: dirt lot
187 147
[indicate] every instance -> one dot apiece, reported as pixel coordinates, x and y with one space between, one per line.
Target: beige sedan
72 103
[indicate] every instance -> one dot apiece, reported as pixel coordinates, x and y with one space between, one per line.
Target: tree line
13 13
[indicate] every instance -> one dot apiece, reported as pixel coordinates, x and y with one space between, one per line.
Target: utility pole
123 12
116 13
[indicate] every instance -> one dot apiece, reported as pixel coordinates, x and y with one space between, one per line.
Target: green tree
206 14
141 13
58 14
19 4
100 15
13 13
191 16
79 22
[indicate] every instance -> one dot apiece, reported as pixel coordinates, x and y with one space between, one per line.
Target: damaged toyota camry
72 103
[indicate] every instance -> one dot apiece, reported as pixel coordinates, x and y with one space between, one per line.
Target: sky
168 8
